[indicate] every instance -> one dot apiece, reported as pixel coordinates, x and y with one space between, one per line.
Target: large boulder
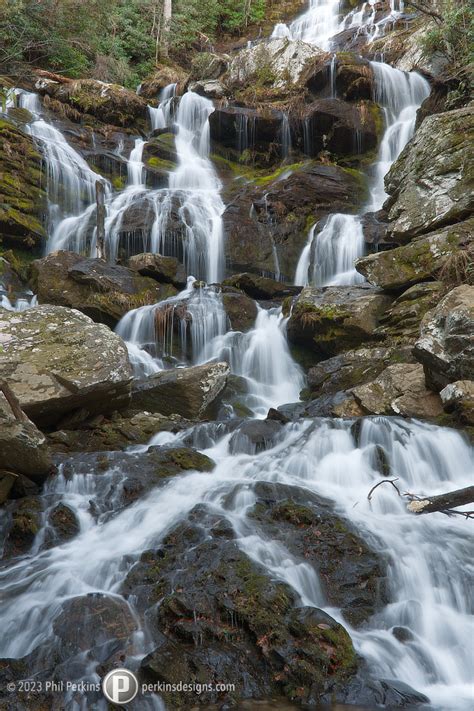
339 127
163 269
267 225
278 64
446 346
351 368
109 103
164 75
251 632
458 398
417 261
241 310
259 287
184 391
23 448
335 319
208 65
57 360
399 390
243 129
121 430
346 74
400 324
430 185
103 291
22 200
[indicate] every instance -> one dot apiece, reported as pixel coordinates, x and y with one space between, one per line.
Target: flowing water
428 558
328 256
184 219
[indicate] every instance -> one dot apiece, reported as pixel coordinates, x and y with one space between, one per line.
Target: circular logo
120 686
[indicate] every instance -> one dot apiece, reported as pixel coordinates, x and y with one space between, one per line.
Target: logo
120 686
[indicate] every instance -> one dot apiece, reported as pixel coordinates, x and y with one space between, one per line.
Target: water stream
428 558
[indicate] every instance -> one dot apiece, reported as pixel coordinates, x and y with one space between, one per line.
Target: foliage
453 31
114 40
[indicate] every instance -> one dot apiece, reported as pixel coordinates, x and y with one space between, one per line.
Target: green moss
160 163
293 513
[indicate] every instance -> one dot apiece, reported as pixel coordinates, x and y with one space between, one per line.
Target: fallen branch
441 503
13 401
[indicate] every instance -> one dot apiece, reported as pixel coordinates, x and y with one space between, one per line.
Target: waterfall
341 241
316 26
285 132
162 115
400 95
428 581
192 202
70 182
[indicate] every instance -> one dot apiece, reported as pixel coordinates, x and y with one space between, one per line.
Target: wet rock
399 390
243 128
24 524
353 77
93 622
208 65
184 391
334 319
273 219
445 346
417 261
162 269
57 360
115 433
222 617
160 158
352 368
400 324
458 398
240 309
351 574
64 523
23 448
259 287
109 103
22 200
104 292
254 436
132 475
341 128
429 184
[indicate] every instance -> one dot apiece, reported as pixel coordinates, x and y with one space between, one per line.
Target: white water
192 200
316 26
162 115
322 21
429 557
193 328
328 257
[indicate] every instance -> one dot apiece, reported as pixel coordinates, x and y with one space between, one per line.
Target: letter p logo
120 686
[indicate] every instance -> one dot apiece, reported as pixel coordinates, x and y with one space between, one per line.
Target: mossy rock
22 201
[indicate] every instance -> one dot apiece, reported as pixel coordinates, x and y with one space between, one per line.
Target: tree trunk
167 15
100 202
443 502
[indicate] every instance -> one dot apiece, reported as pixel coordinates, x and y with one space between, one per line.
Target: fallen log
442 502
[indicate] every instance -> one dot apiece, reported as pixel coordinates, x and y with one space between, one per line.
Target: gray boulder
417 261
430 185
57 360
184 391
334 319
399 390
446 344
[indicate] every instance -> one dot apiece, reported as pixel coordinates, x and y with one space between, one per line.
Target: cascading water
429 593
316 26
70 181
162 115
333 251
192 201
